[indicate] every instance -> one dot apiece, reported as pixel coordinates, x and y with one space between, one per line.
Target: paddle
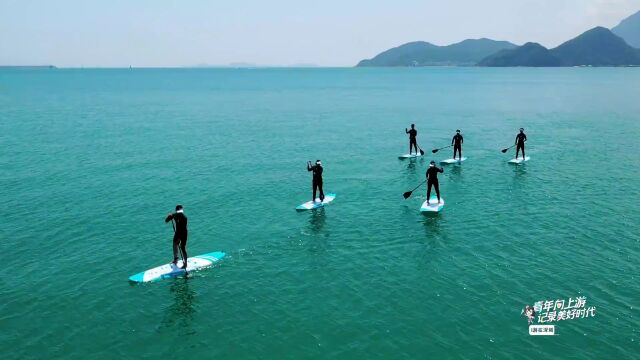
408 193
436 150
505 150
421 151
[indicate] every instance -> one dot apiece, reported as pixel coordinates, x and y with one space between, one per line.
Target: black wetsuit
317 180
520 139
432 180
457 145
412 139
180 236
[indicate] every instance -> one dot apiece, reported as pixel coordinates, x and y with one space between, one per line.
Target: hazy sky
276 32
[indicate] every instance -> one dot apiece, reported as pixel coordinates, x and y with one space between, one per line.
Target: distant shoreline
52 67
28 67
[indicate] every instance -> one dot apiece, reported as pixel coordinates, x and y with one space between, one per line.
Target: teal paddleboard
519 160
453 161
310 205
173 270
434 206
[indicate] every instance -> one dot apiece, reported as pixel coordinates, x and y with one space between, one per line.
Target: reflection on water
455 170
411 165
179 315
520 186
431 222
431 241
318 243
317 220
520 171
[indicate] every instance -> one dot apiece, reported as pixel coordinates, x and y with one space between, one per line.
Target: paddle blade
407 194
435 150
421 152
504 150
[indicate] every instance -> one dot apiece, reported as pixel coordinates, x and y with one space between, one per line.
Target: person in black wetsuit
457 144
180 235
432 180
317 178
412 138
520 140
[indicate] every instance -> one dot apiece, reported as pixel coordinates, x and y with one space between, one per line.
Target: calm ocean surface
92 161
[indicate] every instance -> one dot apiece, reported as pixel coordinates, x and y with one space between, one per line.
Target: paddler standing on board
432 180
413 144
456 142
521 138
179 236
317 178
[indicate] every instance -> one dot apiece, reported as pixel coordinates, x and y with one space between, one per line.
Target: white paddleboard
453 161
409 156
170 270
309 205
519 160
434 206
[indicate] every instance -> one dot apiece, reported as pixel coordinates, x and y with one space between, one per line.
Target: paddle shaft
436 150
414 189
505 150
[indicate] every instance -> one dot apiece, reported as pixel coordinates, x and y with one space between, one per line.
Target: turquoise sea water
92 161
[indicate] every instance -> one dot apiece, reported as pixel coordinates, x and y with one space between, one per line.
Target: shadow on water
180 314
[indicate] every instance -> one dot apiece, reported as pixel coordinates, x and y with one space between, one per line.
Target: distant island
596 47
27 67
465 53
247 65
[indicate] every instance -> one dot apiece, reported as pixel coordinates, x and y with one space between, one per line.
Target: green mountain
420 53
596 47
529 54
629 30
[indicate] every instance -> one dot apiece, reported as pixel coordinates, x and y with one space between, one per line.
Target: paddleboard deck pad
170 270
434 206
410 156
519 160
310 205
453 161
